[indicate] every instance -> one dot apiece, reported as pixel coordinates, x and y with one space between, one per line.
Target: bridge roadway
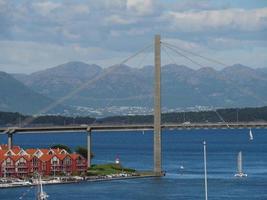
10 131
131 127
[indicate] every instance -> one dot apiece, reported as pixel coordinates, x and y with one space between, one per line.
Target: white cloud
45 7
26 57
49 32
222 43
228 19
117 19
3 3
130 32
182 43
141 7
82 9
69 35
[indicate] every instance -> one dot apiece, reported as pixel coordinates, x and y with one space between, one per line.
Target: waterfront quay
19 168
16 182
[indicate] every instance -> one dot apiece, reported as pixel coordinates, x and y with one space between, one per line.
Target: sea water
180 148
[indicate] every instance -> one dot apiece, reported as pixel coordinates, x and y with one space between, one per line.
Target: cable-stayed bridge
157 126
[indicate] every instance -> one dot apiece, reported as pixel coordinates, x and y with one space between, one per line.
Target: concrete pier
10 140
89 147
157 108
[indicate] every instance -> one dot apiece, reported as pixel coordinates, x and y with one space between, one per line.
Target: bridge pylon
89 147
157 107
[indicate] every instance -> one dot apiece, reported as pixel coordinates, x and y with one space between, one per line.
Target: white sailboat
41 195
250 135
205 170
240 172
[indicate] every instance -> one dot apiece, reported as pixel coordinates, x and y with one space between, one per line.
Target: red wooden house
18 162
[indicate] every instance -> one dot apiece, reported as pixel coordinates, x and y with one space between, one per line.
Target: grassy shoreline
108 169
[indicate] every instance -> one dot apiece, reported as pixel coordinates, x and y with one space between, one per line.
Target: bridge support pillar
157 108
10 140
89 147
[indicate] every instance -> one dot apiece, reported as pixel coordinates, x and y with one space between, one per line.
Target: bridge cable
196 54
84 85
217 113
135 54
144 57
183 55
221 118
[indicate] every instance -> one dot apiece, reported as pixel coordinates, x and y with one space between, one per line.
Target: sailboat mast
250 134
41 186
240 166
38 187
205 171
239 162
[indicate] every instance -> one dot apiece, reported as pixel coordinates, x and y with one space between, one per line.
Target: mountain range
17 97
81 84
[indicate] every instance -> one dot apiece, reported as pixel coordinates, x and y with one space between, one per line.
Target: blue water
179 148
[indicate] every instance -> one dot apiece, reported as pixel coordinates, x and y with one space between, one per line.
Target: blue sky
37 34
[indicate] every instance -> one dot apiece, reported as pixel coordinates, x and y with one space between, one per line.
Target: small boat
240 172
181 169
250 135
20 183
41 195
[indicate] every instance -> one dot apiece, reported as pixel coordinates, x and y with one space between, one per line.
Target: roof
57 151
15 150
45 157
31 151
28 157
15 158
31 154
61 156
2 155
75 156
45 151
5 147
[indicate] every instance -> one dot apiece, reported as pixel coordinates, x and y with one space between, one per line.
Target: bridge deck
132 127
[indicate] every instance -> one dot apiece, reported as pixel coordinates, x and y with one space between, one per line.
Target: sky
38 34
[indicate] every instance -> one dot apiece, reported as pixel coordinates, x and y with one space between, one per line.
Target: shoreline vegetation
8 119
100 172
107 169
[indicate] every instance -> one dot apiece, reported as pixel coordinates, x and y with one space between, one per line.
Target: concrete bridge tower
157 107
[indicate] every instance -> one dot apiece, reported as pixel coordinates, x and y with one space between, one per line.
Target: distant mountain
59 81
262 70
182 86
17 97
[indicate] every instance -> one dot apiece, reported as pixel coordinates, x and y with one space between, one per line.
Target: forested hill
228 115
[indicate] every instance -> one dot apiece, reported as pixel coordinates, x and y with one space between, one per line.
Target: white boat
181 169
250 135
205 170
20 183
240 172
41 195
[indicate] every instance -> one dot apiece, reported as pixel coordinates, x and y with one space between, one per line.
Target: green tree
83 151
61 146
